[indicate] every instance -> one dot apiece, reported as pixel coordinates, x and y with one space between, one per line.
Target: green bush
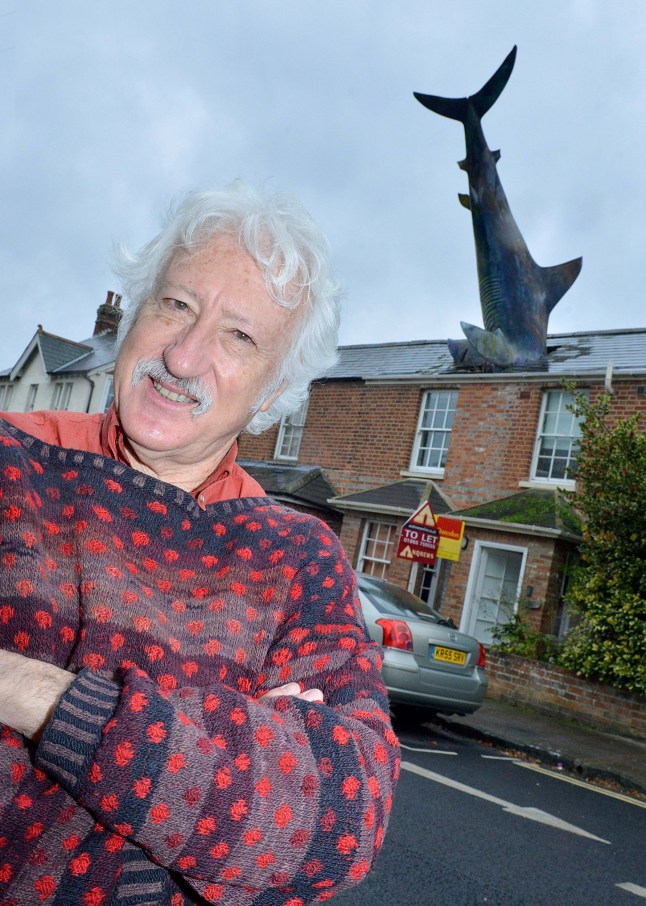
608 588
517 637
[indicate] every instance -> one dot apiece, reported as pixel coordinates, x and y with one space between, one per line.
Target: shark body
517 295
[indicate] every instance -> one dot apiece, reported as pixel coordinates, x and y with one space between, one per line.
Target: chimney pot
108 315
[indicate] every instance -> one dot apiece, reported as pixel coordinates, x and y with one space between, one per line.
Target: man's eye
175 304
241 335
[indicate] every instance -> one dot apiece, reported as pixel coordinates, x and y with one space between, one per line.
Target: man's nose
190 352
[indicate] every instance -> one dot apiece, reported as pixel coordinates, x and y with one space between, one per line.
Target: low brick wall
554 690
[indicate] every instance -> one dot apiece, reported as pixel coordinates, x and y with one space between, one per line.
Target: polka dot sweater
161 778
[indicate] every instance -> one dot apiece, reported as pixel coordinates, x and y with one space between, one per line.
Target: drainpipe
608 381
91 383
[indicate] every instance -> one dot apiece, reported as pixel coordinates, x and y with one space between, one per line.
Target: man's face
199 356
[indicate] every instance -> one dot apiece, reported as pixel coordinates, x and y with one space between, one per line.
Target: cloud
114 109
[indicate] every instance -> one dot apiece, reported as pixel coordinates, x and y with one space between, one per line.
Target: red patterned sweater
160 779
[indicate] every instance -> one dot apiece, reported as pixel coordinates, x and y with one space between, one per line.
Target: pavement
590 754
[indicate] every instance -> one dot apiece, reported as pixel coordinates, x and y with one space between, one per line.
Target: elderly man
190 709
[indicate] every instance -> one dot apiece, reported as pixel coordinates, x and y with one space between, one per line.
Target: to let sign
420 537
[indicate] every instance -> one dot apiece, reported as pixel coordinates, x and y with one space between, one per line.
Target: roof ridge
53 336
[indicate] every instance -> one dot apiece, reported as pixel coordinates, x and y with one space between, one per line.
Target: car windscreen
397 601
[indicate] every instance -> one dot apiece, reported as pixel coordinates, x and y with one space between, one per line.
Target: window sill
545 485
431 474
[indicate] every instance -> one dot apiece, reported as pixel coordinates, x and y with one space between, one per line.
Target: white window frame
378 533
108 393
429 581
32 393
6 391
434 429
61 395
565 399
290 434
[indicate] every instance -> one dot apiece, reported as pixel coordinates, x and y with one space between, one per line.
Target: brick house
396 423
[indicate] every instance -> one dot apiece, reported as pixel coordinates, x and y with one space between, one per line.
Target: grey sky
110 109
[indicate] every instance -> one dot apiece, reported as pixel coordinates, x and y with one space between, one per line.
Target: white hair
292 252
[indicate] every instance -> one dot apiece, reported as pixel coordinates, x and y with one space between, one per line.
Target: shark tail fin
491 91
558 279
456 108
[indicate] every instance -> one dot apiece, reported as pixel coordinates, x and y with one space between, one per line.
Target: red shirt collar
113 445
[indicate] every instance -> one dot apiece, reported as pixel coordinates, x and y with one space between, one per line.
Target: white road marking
576 782
427 751
532 814
633 888
498 758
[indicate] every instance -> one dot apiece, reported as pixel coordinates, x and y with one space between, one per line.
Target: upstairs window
62 393
434 431
108 393
31 398
290 434
5 396
558 439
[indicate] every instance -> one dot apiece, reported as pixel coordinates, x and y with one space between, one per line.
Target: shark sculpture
516 294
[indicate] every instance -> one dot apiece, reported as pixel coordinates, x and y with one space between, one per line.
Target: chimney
108 315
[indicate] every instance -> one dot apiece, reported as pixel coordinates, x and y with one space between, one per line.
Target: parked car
427 663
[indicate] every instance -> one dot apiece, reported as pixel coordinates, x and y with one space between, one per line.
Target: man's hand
29 692
31 689
293 689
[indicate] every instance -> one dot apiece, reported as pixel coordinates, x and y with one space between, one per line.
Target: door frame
476 562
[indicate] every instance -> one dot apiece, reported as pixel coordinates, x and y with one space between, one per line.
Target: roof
542 512
570 354
56 351
102 353
62 356
401 498
293 484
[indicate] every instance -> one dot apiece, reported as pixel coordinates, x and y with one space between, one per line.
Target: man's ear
272 399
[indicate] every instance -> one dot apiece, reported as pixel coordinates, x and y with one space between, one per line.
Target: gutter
542 377
518 528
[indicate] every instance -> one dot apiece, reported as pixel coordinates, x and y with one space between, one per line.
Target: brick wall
554 690
363 434
258 447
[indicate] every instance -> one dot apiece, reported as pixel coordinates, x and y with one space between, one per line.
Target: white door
494 586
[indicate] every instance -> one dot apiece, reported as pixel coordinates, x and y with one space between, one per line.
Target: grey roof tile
57 351
399 497
101 352
585 353
307 485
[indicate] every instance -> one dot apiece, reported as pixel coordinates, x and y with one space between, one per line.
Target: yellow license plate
450 655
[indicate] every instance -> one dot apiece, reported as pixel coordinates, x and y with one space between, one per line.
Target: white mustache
192 387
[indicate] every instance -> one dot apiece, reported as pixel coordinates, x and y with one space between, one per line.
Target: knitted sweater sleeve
234 794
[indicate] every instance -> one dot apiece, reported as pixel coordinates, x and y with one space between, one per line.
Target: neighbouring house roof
102 353
62 356
57 351
292 484
586 353
539 512
401 498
